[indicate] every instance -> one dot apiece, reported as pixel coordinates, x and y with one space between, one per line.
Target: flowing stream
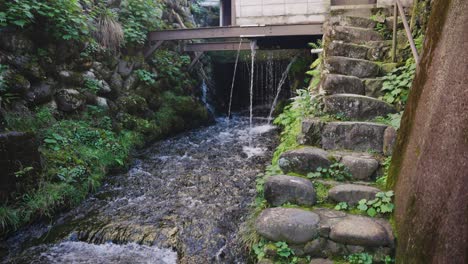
182 201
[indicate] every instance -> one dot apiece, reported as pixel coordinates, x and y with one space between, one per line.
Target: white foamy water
253 151
262 129
84 253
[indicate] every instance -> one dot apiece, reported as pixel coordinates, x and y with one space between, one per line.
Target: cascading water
234 78
183 201
280 85
205 98
253 51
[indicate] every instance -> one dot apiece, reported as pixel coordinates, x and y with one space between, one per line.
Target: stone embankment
351 84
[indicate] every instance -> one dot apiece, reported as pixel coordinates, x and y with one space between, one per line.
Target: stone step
360 10
362 166
352 193
353 67
354 34
324 232
373 87
346 84
352 21
357 107
339 84
354 136
373 51
281 189
349 50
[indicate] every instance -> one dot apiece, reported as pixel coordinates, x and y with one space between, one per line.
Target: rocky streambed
182 201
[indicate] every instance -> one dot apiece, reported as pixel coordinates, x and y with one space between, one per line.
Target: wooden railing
398 7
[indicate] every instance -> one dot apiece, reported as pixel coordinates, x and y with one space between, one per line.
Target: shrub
336 171
147 77
107 30
397 84
360 258
63 18
139 17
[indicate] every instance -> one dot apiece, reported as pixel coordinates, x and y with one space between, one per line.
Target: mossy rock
133 104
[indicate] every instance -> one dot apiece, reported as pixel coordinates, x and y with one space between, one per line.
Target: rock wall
20 162
430 166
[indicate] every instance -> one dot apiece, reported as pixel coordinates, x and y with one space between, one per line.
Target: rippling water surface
182 201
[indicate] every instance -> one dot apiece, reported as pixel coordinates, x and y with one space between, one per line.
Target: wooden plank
352 2
238 32
216 46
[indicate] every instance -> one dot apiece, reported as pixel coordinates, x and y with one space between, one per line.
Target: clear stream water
183 201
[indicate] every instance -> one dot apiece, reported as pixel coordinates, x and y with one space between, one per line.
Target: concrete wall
249 12
390 2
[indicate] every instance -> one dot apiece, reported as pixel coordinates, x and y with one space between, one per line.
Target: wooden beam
217 46
238 32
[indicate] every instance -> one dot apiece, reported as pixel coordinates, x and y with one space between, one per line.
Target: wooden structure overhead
256 31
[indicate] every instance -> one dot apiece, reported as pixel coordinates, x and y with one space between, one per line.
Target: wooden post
395 25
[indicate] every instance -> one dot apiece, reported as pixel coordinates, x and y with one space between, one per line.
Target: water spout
205 98
278 91
253 45
234 78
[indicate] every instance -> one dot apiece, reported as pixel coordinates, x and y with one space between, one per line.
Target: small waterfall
278 91
205 97
234 78
253 45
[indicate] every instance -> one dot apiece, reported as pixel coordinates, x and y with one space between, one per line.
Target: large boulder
42 92
291 225
303 160
69 100
360 231
16 82
362 167
283 189
352 193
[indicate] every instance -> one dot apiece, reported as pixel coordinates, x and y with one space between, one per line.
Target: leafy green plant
145 76
382 204
283 250
290 122
397 84
382 181
342 206
337 171
360 258
92 85
259 250
23 172
138 18
63 18
393 120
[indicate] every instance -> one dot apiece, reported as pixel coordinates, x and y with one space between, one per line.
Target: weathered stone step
352 193
373 51
357 107
323 232
353 67
354 34
345 84
339 84
281 189
362 166
352 21
355 136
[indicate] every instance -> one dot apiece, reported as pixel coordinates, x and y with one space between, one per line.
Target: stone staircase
350 84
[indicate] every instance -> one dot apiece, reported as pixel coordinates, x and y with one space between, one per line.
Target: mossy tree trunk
430 167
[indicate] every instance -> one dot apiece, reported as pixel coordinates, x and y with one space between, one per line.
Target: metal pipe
408 31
